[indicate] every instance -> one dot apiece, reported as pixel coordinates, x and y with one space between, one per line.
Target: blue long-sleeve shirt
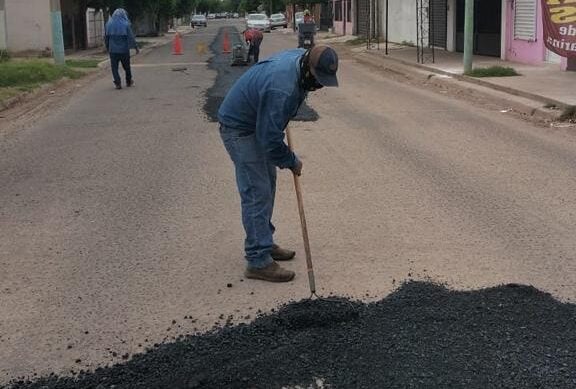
264 100
119 38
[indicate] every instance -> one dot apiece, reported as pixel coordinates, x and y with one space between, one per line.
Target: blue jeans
115 60
254 50
256 181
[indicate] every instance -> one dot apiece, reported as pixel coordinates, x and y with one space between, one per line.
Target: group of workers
253 118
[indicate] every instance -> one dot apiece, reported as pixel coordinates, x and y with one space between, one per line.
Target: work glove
297 169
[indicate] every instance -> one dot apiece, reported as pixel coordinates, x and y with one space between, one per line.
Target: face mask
310 84
307 80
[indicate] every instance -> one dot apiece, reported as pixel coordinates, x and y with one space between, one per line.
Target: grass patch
143 43
30 74
6 93
82 63
493 71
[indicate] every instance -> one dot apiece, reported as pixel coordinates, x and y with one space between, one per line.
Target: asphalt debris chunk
423 335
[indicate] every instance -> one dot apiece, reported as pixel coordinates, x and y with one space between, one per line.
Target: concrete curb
532 111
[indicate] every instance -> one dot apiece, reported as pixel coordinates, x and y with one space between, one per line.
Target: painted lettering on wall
559 18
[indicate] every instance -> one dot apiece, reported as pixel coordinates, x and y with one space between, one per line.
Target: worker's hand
297 169
137 50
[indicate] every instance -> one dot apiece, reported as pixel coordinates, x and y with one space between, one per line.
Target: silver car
258 22
198 20
278 20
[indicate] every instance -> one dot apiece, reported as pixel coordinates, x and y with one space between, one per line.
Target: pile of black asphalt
423 335
227 75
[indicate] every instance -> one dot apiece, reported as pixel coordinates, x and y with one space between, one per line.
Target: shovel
298 188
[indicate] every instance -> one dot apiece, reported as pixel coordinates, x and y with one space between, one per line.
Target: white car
211 16
259 22
198 20
278 20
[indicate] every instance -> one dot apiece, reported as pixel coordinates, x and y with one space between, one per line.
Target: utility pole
57 35
468 35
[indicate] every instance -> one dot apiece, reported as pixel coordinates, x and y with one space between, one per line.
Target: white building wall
95 27
3 43
28 25
451 26
401 20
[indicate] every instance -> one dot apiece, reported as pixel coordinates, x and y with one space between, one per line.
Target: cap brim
326 79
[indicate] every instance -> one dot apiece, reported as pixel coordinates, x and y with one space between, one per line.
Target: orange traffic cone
177 45
226 43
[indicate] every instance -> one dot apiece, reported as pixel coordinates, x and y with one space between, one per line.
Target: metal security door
438 23
362 17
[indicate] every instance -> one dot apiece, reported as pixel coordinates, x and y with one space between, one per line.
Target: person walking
119 40
253 118
253 38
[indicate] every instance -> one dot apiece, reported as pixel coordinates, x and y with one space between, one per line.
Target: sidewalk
545 83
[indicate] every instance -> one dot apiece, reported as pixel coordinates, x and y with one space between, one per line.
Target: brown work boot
280 254
272 273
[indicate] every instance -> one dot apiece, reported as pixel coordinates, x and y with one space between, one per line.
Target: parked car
211 16
198 20
278 20
259 22
236 15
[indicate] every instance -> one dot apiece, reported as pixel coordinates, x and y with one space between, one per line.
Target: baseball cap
323 62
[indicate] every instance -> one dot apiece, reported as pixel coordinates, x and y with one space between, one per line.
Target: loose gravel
421 336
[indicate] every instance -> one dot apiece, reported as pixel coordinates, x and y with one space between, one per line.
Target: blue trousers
115 60
254 50
256 182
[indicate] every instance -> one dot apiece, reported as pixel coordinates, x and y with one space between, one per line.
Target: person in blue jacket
119 40
253 117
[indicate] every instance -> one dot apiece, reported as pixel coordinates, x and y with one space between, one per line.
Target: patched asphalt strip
227 75
421 336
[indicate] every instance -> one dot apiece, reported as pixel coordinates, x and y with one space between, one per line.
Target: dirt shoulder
490 99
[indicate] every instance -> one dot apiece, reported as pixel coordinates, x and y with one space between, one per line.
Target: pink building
524 35
343 17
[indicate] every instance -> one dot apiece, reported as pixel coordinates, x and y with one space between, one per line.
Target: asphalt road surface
121 226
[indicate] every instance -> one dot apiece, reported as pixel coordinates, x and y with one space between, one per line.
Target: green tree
184 8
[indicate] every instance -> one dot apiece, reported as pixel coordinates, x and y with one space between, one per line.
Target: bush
493 71
4 56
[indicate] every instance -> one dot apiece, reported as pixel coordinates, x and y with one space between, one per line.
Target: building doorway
438 23
487 27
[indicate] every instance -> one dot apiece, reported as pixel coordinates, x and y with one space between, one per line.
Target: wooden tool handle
311 279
